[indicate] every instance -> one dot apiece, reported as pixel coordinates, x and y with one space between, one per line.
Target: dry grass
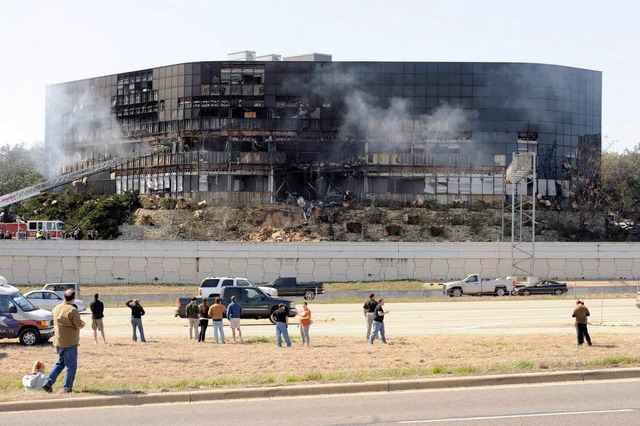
173 364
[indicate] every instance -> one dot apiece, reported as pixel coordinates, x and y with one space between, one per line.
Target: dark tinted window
210 283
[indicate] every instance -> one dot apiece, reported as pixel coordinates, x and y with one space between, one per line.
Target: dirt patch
171 364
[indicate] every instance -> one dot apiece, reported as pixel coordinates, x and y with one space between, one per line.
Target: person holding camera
137 311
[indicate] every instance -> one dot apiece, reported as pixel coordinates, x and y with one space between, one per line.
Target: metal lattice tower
521 173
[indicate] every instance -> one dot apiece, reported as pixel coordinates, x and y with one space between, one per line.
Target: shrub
168 203
437 231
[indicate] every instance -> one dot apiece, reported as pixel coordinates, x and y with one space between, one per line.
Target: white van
20 319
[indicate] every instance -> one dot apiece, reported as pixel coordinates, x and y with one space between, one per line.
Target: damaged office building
257 129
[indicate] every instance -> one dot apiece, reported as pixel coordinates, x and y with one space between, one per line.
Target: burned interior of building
261 129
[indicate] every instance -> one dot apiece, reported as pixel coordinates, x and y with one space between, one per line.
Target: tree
20 167
621 183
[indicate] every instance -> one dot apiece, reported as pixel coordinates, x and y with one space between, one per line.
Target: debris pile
269 233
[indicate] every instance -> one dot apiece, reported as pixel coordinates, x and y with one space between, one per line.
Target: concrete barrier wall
125 262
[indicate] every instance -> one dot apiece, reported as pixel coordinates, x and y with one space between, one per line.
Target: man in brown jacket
67 325
580 313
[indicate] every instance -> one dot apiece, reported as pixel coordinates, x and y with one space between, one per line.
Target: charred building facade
257 129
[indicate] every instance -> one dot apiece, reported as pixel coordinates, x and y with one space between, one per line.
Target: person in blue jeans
137 311
378 323
67 325
281 317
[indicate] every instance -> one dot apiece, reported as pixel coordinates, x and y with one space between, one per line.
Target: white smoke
394 125
79 126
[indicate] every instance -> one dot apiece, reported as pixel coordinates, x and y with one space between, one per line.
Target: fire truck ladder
32 191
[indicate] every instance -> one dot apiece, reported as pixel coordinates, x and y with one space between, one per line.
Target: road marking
515 416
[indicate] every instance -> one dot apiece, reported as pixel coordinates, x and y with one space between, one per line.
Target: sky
46 42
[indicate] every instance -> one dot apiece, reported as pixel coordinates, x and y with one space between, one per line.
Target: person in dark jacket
97 314
203 313
137 311
369 309
281 319
192 315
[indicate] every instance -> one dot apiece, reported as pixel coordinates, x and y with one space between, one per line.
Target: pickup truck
212 286
289 286
475 285
255 304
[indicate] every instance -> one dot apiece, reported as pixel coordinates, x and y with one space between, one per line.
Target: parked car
212 286
543 287
255 304
46 299
289 286
20 319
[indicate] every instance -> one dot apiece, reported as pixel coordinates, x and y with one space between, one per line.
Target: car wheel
526 292
309 294
29 337
501 292
457 292
557 292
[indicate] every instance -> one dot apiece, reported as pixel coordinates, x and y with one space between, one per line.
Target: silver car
46 299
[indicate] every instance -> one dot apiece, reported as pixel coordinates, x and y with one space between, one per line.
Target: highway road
571 403
455 316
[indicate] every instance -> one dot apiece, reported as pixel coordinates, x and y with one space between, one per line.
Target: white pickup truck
475 285
212 286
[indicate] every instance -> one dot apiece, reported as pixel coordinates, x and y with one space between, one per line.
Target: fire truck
48 229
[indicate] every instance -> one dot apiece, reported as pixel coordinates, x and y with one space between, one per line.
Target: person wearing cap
580 313
281 318
137 311
36 380
97 315
192 315
67 325
234 310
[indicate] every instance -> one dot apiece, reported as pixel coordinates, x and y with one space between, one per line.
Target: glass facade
378 129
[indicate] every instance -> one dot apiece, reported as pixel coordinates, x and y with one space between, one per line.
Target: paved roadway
455 316
571 403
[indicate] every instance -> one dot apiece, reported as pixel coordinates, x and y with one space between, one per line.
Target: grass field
174 364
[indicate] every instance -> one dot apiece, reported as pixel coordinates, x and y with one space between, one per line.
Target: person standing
191 312
97 315
369 309
378 323
216 311
234 310
137 312
281 318
581 313
67 325
203 312
305 323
